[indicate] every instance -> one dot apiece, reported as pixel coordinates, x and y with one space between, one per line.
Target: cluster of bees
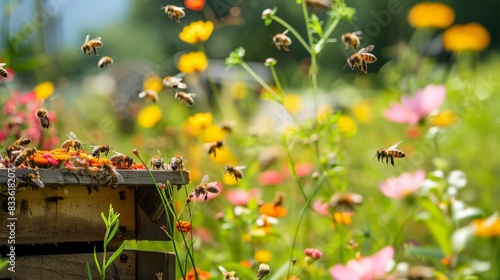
175 84
92 45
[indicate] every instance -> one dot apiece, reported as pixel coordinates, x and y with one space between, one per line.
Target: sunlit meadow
297 177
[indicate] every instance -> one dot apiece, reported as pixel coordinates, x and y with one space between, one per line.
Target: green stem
213 86
260 80
302 213
319 46
292 169
277 82
294 32
103 276
403 224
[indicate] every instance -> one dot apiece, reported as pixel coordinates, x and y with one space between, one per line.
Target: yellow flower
292 103
194 125
468 37
445 118
324 113
196 32
152 83
363 112
488 227
342 218
431 14
213 133
192 62
239 90
346 125
44 90
262 256
149 116
229 180
223 156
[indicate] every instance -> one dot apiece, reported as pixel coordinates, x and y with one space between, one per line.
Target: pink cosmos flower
204 234
404 185
415 108
364 268
321 207
270 178
314 254
242 197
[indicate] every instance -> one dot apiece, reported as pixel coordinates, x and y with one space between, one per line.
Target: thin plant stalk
294 32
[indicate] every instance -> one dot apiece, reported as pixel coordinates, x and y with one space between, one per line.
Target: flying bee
43 115
174 11
121 161
157 162
227 275
177 162
228 126
89 45
72 142
174 82
187 98
149 94
213 146
25 154
3 72
345 201
115 177
104 61
18 145
281 40
361 59
96 152
351 39
203 189
34 179
390 153
235 171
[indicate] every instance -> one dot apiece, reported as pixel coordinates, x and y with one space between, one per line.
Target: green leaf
439 227
97 262
281 272
89 273
235 57
104 219
112 234
268 21
316 25
299 1
427 252
115 254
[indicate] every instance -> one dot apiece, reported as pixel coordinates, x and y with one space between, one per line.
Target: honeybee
235 171
43 115
322 4
34 179
104 61
177 162
17 146
174 11
203 189
345 201
390 153
212 147
96 152
149 94
227 126
228 275
361 59
25 154
72 142
89 45
174 82
351 39
121 161
157 162
3 72
187 98
281 40
116 177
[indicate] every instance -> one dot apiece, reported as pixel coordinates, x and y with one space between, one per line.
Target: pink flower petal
270 178
242 197
401 114
404 185
320 207
366 268
429 99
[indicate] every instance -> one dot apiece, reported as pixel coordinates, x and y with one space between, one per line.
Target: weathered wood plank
61 177
151 263
71 266
69 214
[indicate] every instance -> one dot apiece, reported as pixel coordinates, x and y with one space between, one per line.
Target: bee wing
208 145
87 38
205 179
222 269
97 39
143 94
240 167
181 85
357 32
72 135
284 32
39 183
366 49
2 64
394 146
192 95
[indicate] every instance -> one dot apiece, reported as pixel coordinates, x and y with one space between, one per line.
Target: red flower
194 5
183 226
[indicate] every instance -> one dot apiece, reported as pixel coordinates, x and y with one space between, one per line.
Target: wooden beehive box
57 227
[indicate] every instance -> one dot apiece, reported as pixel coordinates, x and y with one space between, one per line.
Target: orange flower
488 227
183 226
196 32
468 37
274 209
194 5
192 62
202 275
431 14
342 218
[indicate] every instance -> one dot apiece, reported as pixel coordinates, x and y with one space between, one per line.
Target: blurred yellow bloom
468 37
488 227
194 125
342 218
239 90
346 125
445 118
192 62
229 180
324 113
292 103
262 256
196 32
152 83
224 156
149 116
44 90
363 112
431 14
213 133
